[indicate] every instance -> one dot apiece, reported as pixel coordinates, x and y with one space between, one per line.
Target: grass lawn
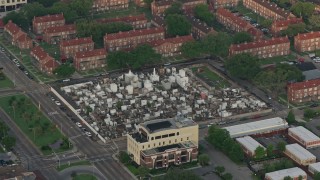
52 50
6 83
79 163
132 169
211 78
32 122
84 177
277 59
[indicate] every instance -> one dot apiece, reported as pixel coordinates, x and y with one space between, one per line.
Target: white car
78 124
58 103
88 134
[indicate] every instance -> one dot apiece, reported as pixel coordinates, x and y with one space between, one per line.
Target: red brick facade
69 48
105 5
53 35
130 39
280 25
16 36
41 23
137 22
199 29
267 9
43 60
264 48
304 91
223 3
159 6
90 59
307 41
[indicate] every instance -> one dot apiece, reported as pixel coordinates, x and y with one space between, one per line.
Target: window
187 138
158 137
172 134
152 138
177 133
164 136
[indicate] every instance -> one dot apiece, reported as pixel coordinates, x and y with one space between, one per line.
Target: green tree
9 142
287 178
243 66
202 12
46 3
294 29
124 157
118 59
143 55
242 37
191 49
314 21
143 171
82 7
291 117
148 3
284 3
303 9
270 150
179 174
227 176
310 113
61 7
32 10
281 146
219 170
177 25
216 44
175 8
64 70
316 176
266 23
260 152
204 159
17 18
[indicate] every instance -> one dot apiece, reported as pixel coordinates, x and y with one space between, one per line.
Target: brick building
9 5
86 60
199 29
16 36
189 5
304 91
216 4
264 48
171 46
41 23
267 9
158 7
299 155
158 21
307 41
280 25
130 39
137 22
237 24
53 35
105 5
43 60
68 48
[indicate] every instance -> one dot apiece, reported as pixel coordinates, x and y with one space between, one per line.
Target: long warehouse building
249 145
304 137
314 168
300 155
258 128
294 173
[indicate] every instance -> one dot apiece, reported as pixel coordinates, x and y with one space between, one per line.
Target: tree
316 176
143 171
303 9
118 59
9 142
314 21
243 66
82 7
287 178
148 3
64 70
284 3
179 174
227 176
294 29
46 3
260 152
291 117
191 49
204 159
242 37
216 44
61 7
17 18
143 55
124 157
270 150
310 113
219 170
266 23
175 8
281 146
202 12
177 25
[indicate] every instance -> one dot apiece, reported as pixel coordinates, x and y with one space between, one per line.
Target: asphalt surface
81 170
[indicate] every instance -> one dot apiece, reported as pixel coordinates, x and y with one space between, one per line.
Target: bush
124 157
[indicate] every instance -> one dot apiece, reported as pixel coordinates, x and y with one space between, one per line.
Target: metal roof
304 134
315 166
249 143
292 172
256 127
299 152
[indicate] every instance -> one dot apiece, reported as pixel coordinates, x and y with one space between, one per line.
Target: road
106 165
66 174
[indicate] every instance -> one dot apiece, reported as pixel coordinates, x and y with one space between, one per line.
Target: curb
124 167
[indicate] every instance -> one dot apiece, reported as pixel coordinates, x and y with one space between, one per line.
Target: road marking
52 113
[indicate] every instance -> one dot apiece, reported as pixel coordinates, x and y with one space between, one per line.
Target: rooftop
154 126
309 35
304 84
127 19
64 28
258 44
304 134
299 152
77 41
286 22
12 27
273 7
163 2
257 126
162 149
48 18
95 52
315 166
249 143
235 19
312 74
133 33
159 20
199 24
175 40
292 172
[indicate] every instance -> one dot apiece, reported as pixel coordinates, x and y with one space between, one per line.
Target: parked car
78 124
58 103
88 134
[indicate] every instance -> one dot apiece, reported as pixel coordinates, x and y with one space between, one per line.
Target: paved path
66 173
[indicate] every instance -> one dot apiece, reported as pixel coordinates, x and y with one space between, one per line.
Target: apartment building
131 39
299 155
158 21
69 48
199 29
9 5
305 91
189 5
43 60
295 173
216 4
86 60
280 25
137 22
237 24
53 35
304 137
16 36
249 145
105 5
263 48
267 9
40 23
171 46
158 7
307 41
164 142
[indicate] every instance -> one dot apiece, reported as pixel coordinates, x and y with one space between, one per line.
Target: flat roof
249 143
299 151
304 134
292 172
162 149
315 166
256 127
165 124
